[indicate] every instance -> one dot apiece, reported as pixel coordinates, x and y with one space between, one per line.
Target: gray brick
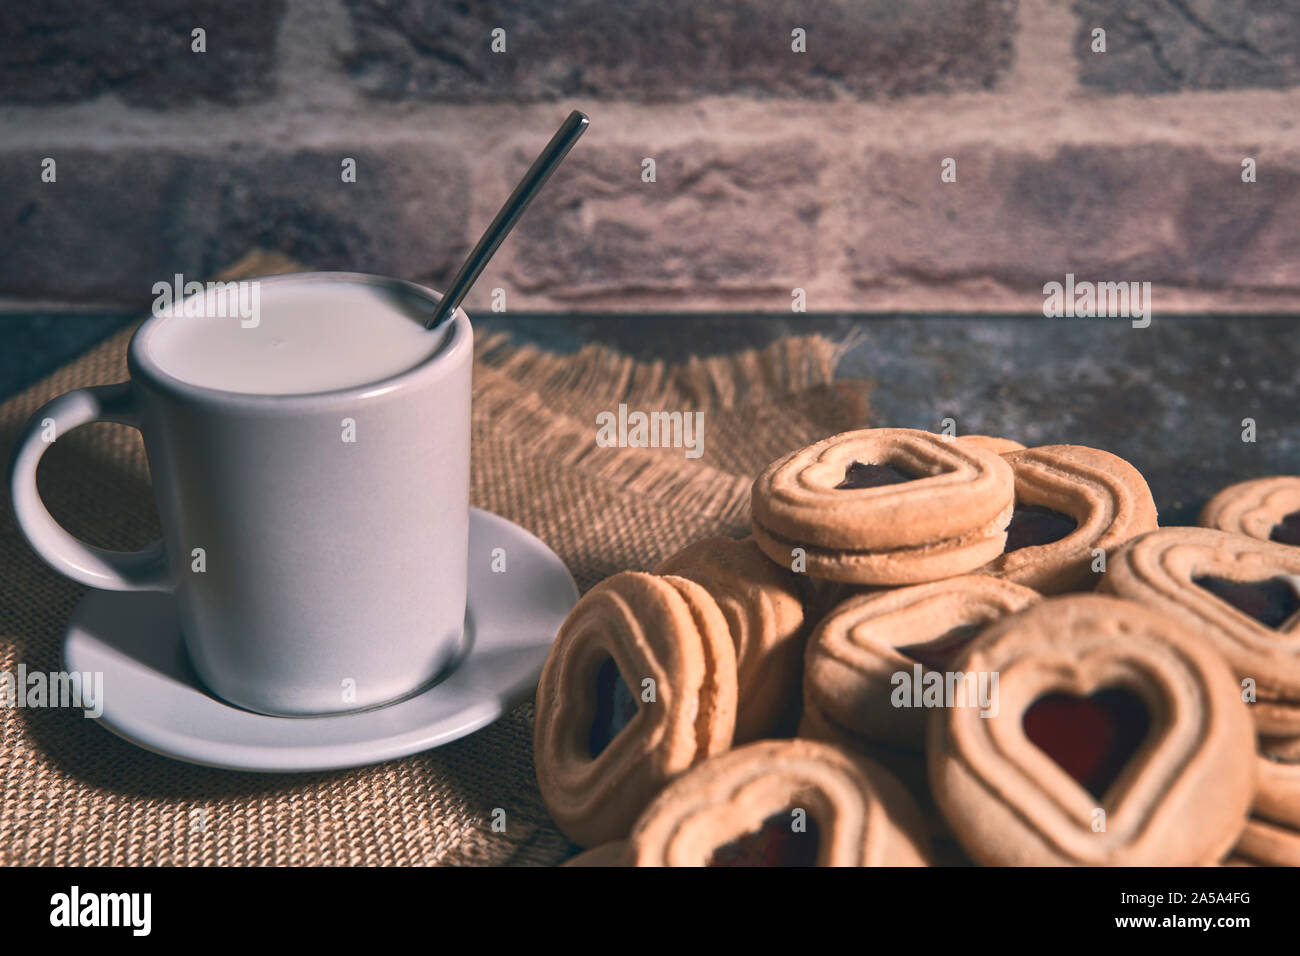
717 218
1161 46
674 49
60 50
1171 215
117 221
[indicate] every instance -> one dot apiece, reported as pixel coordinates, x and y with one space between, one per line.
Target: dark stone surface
1161 46
714 217
675 49
117 221
33 345
1169 398
57 51
1157 213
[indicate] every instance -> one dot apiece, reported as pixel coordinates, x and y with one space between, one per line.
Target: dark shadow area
34 345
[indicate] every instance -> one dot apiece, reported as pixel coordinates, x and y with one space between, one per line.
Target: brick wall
774 169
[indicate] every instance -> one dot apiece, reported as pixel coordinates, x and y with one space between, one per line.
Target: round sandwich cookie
1241 593
607 854
781 803
999 446
639 685
1071 502
876 661
765 616
1119 738
1266 508
884 506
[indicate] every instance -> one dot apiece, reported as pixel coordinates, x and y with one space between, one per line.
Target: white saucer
152 698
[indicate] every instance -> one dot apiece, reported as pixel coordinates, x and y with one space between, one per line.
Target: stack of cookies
902 665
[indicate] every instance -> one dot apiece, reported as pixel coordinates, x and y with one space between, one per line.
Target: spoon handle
505 220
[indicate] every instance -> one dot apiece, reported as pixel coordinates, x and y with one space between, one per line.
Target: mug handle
143 570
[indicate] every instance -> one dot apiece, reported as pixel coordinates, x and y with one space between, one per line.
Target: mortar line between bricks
908 123
1044 50
833 264
311 34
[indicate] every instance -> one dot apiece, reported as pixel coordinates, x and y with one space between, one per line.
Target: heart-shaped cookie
1241 593
866 665
1266 508
781 803
993 443
884 506
1071 500
765 615
1184 794
639 685
1092 738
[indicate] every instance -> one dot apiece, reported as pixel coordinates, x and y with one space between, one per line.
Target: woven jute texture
73 793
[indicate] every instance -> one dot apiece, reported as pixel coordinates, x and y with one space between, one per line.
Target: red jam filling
1270 602
775 843
860 475
1031 526
1092 738
615 707
937 654
1287 531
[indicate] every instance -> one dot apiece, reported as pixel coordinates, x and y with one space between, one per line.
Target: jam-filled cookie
1071 500
639 685
999 446
1266 508
781 803
1241 593
1119 738
884 506
866 663
764 612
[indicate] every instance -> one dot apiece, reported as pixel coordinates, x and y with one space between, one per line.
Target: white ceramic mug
315 570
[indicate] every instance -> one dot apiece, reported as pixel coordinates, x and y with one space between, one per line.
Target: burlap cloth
73 793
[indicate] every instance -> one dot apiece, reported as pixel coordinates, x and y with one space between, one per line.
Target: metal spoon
528 187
